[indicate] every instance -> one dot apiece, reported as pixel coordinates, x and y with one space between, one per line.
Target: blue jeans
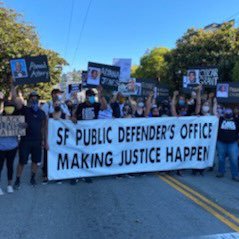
230 150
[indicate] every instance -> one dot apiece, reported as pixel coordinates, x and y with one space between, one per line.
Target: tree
18 39
235 72
153 65
219 48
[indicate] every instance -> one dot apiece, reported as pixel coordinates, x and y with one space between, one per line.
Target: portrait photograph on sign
222 90
93 76
30 70
19 68
130 88
191 79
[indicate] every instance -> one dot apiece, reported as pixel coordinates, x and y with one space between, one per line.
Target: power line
69 28
81 31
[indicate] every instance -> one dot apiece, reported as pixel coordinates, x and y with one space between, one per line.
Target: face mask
35 106
9 110
92 99
57 108
59 97
141 105
181 102
121 100
193 95
70 107
205 109
228 114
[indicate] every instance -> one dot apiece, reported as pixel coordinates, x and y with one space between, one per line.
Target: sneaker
45 181
220 175
10 189
59 182
236 178
1 192
130 176
33 182
17 184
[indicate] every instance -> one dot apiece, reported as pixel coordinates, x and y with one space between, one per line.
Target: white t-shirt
49 109
106 114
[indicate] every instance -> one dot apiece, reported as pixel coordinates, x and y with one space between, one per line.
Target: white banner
118 146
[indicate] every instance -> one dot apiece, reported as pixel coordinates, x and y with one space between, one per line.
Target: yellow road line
202 204
206 200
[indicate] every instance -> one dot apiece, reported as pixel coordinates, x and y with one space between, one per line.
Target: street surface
141 207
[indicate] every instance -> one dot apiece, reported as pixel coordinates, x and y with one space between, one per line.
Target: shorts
28 148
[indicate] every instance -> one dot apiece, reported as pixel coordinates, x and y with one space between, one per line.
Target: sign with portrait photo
130 88
105 75
207 77
30 70
228 92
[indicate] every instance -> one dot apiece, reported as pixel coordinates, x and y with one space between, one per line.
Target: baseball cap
56 91
90 92
34 93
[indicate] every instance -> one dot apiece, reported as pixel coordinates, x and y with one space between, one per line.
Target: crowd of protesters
95 106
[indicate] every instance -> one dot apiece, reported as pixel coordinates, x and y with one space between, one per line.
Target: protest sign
130 88
109 147
30 70
147 86
228 92
12 126
74 87
106 75
125 68
84 75
204 76
161 92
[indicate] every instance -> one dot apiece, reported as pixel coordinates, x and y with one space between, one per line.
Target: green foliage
219 48
153 65
18 39
235 73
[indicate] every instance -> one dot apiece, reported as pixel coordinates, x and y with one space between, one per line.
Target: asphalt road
140 207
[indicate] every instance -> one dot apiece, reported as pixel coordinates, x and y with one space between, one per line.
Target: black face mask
57 108
70 107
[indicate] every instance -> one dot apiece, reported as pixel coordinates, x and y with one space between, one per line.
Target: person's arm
102 100
173 104
210 100
215 107
13 92
148 104
198 100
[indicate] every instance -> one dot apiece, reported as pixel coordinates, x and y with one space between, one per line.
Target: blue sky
118 28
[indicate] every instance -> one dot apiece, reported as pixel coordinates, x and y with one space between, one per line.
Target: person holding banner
58 114
35 139
8 149
89 110
48 107
227 142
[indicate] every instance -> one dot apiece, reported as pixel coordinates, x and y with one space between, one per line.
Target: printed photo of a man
18 68
222 90
93 76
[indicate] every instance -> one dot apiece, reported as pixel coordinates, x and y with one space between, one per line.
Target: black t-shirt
35 121
87 111
228 130
116 110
